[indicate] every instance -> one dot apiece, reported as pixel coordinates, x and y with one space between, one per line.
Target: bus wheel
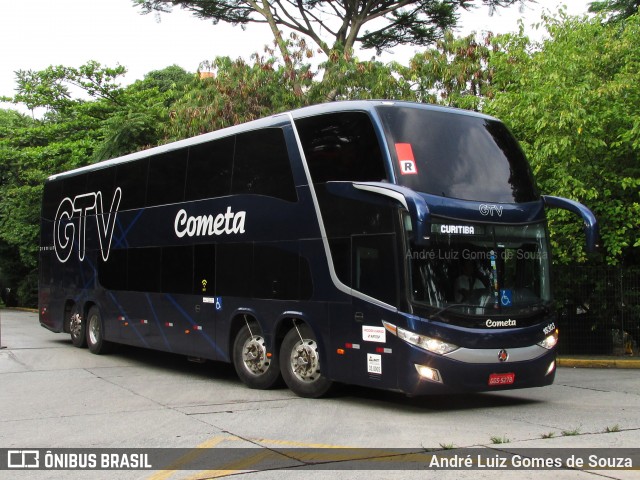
300 364
95 333
255 366
77 328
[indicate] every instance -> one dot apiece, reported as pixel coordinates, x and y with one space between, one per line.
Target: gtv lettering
490 210
65 228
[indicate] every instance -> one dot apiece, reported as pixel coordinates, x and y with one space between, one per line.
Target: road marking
234 467
198 451
264 452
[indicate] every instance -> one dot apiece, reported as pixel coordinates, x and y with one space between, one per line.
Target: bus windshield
468 157
482 269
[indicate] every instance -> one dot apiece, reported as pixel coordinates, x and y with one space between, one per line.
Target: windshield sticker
506 298
406 159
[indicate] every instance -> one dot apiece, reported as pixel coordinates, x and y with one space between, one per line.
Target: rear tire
300 364
95 333
255 367
77 327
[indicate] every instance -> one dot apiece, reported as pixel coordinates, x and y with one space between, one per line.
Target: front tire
300 364
256 367
95 333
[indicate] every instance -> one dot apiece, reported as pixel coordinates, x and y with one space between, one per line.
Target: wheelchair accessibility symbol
506 298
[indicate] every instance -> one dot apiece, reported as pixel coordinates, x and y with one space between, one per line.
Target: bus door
363 350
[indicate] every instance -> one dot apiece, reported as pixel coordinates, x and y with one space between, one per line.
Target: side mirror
590 222
412 201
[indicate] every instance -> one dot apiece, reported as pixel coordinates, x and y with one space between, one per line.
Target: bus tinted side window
166 178
261 165
176 269
143 269
102 180
74 185
341 147
209 169
131 177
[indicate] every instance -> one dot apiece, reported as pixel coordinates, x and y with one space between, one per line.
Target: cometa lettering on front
500 323
207 225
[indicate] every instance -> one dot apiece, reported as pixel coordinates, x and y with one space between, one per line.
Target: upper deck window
457 155
341 147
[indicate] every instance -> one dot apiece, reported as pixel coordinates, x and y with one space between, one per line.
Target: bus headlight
551 341
422 341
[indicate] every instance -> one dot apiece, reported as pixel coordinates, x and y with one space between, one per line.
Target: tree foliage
50 88
454 72
147 103
573 104
343 22
616 10
335 27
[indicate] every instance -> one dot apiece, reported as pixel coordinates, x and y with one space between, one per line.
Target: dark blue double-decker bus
387 244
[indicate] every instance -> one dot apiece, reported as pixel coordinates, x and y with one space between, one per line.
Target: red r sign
406 159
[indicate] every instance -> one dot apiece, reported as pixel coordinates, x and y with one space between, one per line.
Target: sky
37 33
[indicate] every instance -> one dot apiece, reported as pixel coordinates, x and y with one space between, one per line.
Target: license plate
496 379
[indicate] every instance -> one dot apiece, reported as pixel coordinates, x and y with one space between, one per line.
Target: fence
598 309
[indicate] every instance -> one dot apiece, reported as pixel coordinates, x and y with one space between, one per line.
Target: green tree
235 91
335 27
229 92
617 10
343 22
171 80
141 123
454 72
50 88
573 104
13 271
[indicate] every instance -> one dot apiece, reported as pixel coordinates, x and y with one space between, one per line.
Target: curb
598 362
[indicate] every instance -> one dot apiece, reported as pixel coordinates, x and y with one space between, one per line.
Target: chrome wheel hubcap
254 355
75 327
305 363
94 330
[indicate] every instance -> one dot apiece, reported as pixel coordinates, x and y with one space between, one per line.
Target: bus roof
273 120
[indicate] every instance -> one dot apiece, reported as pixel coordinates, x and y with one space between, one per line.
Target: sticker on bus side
374 334
374 363
406 160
